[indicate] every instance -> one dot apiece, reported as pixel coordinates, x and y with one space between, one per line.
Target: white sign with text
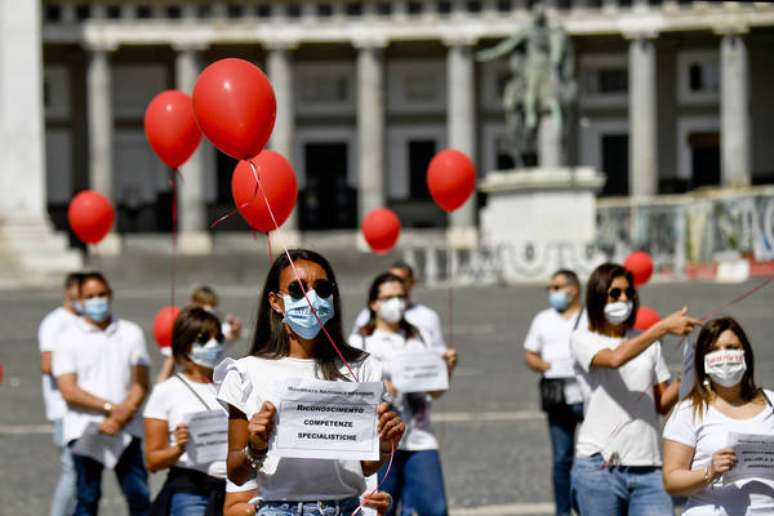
208 431
754 457
420 371
319 419
105 449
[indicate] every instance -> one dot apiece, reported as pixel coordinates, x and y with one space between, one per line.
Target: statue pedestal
541 205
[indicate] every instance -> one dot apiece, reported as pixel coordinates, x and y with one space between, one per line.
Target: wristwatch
107 407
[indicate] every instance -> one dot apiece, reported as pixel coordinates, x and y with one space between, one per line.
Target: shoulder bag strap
177 375
577 319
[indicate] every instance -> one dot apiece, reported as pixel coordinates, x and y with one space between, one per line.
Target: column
30 251
193 237
100 125
280 70
734 111
461 127
643 150
370 125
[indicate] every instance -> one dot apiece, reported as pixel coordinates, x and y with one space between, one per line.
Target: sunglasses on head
615 293
323 287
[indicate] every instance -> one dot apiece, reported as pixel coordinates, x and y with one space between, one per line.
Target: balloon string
386 474
173 266
450 307
296 273
739 298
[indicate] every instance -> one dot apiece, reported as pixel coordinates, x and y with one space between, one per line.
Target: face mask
78 307
559 300
618 312
392 310
725 367
301 319
208 354
97 309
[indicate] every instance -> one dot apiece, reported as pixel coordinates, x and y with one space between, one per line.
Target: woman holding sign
193 486
416 480
298 341
724 401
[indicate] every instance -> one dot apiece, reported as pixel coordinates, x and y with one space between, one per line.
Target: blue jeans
131 474
561 429
618 491
63 502
342 507
188 504
415 483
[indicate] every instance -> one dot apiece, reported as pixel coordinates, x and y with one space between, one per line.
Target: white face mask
725 367
618 312
207 355
392 310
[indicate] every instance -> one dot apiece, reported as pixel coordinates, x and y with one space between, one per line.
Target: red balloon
381 229
235 106
646 317
279 184
171 128
451 178
163 324
90 216
640 264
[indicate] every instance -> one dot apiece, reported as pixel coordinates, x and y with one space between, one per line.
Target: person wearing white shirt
547 352
192 488
299 299
617 467
101 368
724 399
419 315
385 335
57 321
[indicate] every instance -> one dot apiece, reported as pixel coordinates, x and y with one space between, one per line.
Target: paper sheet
420 371
754 456
103 448
208 432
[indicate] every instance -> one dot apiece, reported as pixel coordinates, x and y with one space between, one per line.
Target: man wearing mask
56 322
547 352
101 368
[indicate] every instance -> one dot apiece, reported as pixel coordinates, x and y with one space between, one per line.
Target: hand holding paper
261 426
181 437
391 428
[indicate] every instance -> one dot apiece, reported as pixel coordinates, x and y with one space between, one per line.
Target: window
174 12
234 11
474 6
143 12
444 7
504 6
698 77
83 12
384 8
263 11
703 77
326 90
415 8
420 87
354 9
53 13
324 10
293 10
203 11
113 12
420 153
612 80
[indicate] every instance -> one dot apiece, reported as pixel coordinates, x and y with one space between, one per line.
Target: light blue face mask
207 355
97 309
300 318
559 300
78 307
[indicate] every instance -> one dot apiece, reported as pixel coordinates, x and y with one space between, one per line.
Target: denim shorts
322 508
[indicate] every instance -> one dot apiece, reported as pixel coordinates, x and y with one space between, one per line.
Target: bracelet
255 459
707 476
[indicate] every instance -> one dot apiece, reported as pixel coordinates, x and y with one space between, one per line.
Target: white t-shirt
414 408
549 336
49 330
171 401
707 435
620 414
247 383
421 316
103 362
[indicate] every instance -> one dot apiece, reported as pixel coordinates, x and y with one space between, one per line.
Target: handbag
552 389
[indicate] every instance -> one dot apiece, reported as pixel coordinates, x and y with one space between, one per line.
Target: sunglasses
615 293
323 287
397 296
204 338
554 288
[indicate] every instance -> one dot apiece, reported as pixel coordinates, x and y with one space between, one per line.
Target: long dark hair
193 324
596 295
270 338
709 334
373 295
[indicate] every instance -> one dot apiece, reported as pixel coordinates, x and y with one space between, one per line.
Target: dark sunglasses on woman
323 287
615 293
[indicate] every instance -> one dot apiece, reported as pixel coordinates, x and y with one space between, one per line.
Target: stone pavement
493 437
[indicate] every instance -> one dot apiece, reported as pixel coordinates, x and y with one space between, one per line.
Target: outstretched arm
504 47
